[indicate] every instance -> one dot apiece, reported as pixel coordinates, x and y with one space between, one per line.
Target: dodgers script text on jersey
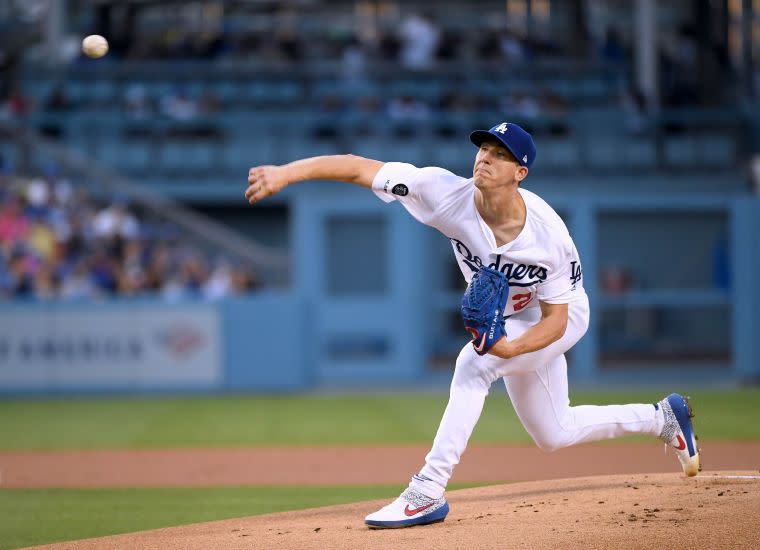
542 263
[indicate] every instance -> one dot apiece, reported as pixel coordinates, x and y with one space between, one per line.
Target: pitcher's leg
541 401
469 388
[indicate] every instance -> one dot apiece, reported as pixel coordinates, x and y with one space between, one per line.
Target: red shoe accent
681 443
416 511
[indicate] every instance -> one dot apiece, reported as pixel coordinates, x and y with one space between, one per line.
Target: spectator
55 243
513 47
41 239
15 106
45 285
136 101
78 285
244 280
679 80
634 109
353 63
21 271
489 47
449 45
208 103
179 106
389 46
13 224
327 121
115 221
612 50
58 101
219 284
419 42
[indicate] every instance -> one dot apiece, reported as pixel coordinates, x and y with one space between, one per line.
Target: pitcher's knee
550 441
473 371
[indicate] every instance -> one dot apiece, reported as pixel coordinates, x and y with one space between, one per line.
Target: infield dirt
713 510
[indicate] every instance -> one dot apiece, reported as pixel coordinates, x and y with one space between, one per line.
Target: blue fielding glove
483 306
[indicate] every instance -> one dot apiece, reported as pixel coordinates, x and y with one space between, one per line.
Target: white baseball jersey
541 263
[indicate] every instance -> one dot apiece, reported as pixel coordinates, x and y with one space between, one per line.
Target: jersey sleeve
559 286
419 190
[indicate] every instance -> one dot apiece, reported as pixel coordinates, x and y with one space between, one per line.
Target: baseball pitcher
524 307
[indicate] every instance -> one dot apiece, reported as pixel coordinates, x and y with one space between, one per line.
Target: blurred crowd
58 242
418 43
414 41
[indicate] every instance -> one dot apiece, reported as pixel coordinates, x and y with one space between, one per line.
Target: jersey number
521 300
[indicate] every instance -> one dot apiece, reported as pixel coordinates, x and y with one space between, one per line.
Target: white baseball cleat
679 433
409 509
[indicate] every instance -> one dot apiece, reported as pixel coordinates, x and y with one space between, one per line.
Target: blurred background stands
645 117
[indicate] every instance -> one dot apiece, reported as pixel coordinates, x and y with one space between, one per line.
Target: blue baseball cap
513 137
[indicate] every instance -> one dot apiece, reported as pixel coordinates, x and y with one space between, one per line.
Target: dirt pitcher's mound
714 510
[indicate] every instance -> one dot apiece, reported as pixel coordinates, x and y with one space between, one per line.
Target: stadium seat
173 156
136 156
262 91
605 153
110 152
227 91
444 151
716 150
559 153
241 154
639 153
679 151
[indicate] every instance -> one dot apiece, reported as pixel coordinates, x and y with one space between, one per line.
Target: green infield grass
132 423
43 516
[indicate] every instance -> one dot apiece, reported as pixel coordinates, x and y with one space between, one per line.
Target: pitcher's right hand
265 181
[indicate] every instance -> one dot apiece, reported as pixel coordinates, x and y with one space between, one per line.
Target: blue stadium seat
75 90
10 155
621 152
428 90
445 151
604 153
201 155
716 150
241 154
111 153
173 156
379 148
195 88
272 91
679 151
104 91
228 91
640 153
558 153
126 156
38 90
136 156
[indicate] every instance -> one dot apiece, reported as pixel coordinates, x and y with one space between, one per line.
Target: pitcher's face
495 165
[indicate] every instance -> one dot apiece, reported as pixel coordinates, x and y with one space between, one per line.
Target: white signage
115 347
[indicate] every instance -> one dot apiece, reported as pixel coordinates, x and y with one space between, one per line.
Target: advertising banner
138 347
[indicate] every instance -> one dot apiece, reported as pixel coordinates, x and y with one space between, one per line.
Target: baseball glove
483 306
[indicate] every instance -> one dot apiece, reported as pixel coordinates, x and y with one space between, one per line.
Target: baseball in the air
95 46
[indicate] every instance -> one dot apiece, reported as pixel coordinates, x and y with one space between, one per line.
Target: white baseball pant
537 386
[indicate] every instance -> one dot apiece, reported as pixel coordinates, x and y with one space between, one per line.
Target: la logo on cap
501 128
